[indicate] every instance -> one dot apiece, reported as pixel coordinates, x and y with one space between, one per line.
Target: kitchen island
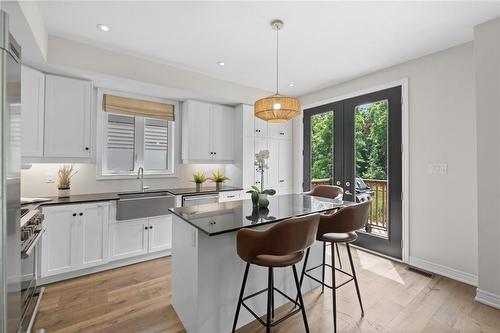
206 270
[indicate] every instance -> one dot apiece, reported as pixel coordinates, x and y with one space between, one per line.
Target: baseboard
452 273
488 298
96 269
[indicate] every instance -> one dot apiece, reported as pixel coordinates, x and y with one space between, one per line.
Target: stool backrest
327 191
347 219
285 237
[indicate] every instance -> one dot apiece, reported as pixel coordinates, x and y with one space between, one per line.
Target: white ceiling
323 43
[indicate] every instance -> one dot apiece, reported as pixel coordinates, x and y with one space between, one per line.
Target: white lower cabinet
132 238
76 237
129 238
160 233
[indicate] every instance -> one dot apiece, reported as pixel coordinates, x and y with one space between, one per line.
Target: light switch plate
437 168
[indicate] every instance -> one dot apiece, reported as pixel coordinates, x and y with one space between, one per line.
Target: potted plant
66 172
218 178
199 178
259 196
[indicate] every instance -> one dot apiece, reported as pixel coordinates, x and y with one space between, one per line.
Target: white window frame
138 143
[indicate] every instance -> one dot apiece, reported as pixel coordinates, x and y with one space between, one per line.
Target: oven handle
33 244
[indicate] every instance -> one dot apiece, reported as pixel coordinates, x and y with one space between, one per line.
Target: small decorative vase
63 192
255 199
218 186
263 201
198 187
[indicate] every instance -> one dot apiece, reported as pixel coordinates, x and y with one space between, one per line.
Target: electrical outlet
50 178
437 168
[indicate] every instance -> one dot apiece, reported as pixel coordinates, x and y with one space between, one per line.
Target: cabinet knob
282 181
74 214
145 228
215 153
80 214
86 148
151 227
281 133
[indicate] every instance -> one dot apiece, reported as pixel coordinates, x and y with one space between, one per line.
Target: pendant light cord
277 61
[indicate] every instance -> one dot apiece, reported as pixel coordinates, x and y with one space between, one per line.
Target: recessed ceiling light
291 84
221 63
103 27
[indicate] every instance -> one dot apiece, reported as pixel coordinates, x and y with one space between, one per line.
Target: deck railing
379 207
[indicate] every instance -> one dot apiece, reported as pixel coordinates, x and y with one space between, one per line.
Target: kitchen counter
218 218
94 197
207 272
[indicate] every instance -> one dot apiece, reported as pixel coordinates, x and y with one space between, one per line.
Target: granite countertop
93 197
220 218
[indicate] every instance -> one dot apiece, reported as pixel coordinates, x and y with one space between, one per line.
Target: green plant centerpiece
65 173
218 178
259 196
199 178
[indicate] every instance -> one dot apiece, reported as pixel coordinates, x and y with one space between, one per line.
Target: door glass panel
371 128
322 149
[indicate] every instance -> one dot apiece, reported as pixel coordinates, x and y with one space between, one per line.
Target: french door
356 144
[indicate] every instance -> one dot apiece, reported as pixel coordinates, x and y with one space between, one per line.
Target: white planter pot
63 193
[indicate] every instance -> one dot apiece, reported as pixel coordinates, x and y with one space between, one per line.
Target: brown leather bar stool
281 245
339 227
330 192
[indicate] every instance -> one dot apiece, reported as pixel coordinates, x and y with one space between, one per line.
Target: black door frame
343 153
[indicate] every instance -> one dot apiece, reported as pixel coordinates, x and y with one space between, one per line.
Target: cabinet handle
74 214
281 133
282 181
230 196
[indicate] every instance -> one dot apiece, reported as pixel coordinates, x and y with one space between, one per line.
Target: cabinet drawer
229 196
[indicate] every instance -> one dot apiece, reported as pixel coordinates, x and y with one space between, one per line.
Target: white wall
443 208
487 66
34 180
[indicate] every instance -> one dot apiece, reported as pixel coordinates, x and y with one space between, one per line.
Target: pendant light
277 108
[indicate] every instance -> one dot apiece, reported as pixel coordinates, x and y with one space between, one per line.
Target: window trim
139 144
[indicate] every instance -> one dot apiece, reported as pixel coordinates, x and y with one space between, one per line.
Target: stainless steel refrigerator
10 239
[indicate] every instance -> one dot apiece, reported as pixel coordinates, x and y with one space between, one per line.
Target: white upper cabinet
260 127
32 112
207 133
222 133
248 117
67 117
280 130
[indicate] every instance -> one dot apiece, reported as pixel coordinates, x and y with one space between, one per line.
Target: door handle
347 192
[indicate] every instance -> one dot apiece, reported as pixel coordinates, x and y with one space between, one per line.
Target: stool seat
341 237
268 260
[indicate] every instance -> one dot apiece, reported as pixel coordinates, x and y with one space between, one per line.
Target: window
131 140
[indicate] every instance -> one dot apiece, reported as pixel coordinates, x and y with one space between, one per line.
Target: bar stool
339 227
281 245
330 192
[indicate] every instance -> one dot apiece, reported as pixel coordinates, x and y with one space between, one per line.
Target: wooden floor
137 299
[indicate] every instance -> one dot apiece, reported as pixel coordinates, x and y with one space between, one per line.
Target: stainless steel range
31 296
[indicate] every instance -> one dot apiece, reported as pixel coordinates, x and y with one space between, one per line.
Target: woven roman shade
138 107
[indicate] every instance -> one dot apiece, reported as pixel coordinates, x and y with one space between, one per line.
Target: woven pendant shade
277 108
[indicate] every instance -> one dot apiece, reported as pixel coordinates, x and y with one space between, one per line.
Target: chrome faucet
140 175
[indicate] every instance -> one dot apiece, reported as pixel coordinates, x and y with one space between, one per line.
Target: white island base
207 275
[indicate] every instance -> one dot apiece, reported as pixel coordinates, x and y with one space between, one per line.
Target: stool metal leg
272 294
338 254
301 301
334 292
238 307
355 278
269 300
323 268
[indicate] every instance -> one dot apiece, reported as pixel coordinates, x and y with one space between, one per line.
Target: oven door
29 301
